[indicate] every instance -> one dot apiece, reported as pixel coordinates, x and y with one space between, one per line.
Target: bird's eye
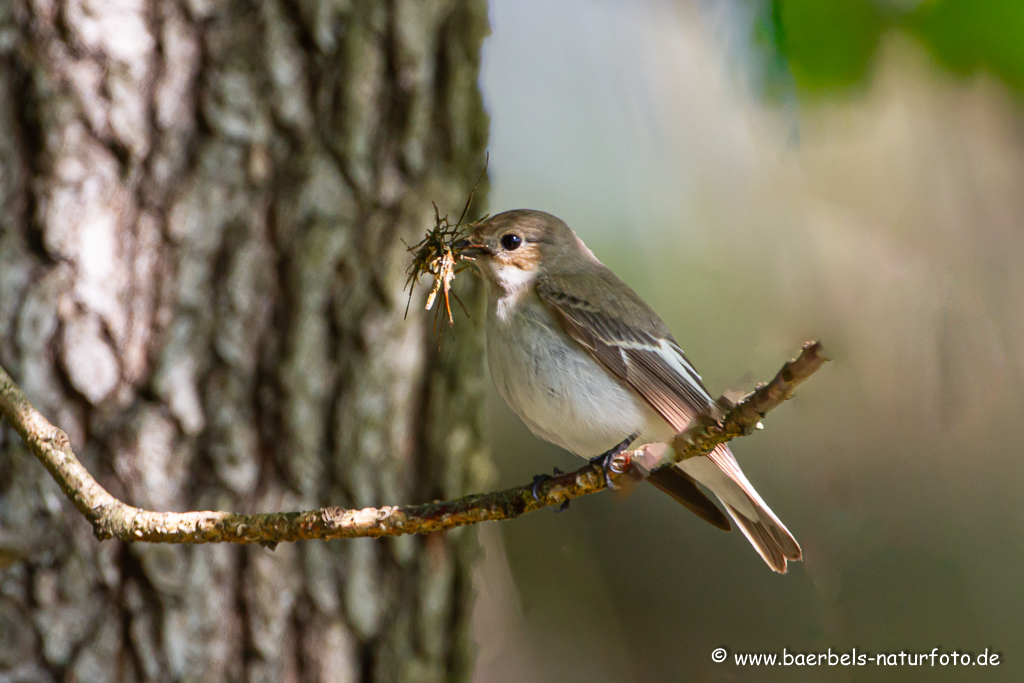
511 241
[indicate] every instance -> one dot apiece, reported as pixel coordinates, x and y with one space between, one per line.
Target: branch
111 518
743 418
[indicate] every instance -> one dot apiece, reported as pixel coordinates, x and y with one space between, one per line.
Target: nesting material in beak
442 252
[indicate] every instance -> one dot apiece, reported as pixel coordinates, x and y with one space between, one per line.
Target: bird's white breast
555 386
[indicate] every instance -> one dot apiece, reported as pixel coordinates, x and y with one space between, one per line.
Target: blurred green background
765 173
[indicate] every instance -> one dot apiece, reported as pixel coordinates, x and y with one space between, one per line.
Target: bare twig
745 416
112 518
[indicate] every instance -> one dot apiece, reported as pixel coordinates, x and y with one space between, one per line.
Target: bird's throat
507 288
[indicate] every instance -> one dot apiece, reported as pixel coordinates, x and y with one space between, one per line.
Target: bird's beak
468 249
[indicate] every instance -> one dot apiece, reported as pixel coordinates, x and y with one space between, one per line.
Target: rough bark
200 281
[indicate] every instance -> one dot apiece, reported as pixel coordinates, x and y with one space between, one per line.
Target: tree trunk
201 269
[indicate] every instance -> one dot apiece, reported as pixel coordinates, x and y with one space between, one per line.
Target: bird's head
513 248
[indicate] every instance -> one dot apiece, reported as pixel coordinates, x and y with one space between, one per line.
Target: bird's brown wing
640 352
653 365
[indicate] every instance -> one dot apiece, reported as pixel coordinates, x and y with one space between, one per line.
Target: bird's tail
720 473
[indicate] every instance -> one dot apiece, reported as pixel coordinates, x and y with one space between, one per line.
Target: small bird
590 367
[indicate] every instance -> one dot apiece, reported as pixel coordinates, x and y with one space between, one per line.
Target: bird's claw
607 461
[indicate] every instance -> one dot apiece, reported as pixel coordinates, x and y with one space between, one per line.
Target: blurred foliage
828 45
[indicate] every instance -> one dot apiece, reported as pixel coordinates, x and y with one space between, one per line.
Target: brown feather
684 490
617 335
765 542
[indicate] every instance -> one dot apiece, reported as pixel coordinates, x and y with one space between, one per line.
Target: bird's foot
540 479
608 463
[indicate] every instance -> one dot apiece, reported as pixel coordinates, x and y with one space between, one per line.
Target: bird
589 366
